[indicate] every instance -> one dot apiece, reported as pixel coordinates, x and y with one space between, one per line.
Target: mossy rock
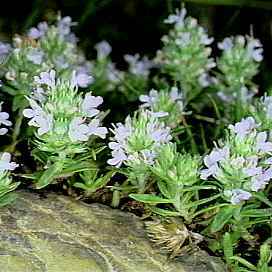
58 234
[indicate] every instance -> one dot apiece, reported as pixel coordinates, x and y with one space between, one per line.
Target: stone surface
56 233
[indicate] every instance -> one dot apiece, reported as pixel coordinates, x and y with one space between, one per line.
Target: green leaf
163 189
7 199
244 262
222 218
150 199
49 175
163 212
19 102
227 247
257 213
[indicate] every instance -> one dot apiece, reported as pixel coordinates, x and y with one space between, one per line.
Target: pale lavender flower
183 39
5 163
46 78
238 195
259 181
150 99
118 157
81 79
64 25
226 44
4 120
177 19
252 171
244 127
255 50
38 94
78 131
211 171
90 104
149 156
138 66
95 129
175 94
211 162
39 31
159 134
205 39
103 49
262 144
39 118
35 55
204 80
5 48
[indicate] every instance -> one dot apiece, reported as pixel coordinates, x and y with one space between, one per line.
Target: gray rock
58 234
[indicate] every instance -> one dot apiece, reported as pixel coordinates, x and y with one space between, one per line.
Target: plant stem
188 129
16 131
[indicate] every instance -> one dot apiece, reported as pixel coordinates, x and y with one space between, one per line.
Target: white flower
244 127
90 104
4 120
39 118
237 195
177 18
78 131
150 99
103 49
81 79
138 67
255 50
226 44
64 25
95 129
47 78
5 163
118 157
39 31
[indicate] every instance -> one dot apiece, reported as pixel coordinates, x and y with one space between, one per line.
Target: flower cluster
168 105
45 47
136 77
241 164
238 65
65 120
186 54
4 116
6 183
137 140
106 77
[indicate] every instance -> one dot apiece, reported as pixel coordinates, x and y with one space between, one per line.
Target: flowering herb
106 77
65 121
168 105
238 64
240 164
135 145
185 55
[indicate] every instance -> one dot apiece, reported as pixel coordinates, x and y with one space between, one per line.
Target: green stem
210 208
16 131
188 129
